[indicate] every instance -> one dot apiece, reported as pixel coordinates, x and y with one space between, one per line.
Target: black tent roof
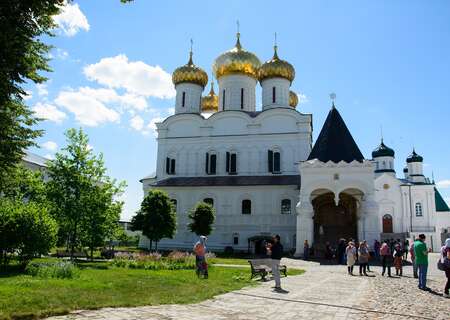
335 142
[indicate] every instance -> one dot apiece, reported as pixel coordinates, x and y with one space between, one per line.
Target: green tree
83 197
23 56
202 217
156 218
25 228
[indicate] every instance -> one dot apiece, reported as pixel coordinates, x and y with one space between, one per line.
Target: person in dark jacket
276 252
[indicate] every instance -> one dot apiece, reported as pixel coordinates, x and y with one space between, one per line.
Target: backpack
443 262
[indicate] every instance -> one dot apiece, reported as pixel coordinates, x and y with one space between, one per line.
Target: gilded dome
293 99
276 68
237 61
190 73
210 102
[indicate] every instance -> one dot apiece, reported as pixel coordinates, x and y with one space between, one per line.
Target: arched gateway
337 190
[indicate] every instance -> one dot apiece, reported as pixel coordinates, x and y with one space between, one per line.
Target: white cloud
171 111
49 156
50 145
137 123
71 20
443 184
48 112
136 77
302 98
110 96
87 108
42 89
62 54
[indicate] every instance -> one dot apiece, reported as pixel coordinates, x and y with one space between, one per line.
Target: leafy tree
25 228
83 197
156 218
202 217
23 56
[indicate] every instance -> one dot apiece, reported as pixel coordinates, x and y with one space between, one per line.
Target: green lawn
27 297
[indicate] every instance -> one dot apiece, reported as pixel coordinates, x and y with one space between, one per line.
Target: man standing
421 259
276 251
413 260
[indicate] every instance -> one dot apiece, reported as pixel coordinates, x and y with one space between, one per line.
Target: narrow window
212 169
274 93
227 167
223 99
242 98
207 163
172 166
174 204
419 209
233 163
246 206
276 162
183 99
168 165
235 240
286 206
209 201
270 160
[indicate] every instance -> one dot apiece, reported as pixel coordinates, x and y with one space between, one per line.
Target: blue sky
387 61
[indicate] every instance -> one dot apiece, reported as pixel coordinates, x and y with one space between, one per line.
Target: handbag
440 265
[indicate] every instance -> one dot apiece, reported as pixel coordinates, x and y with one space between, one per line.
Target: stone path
323 292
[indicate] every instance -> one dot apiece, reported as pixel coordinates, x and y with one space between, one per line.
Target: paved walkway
323 292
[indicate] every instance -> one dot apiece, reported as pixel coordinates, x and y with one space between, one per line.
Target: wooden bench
263 267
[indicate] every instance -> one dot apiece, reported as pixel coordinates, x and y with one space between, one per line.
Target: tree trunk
156 246
151 244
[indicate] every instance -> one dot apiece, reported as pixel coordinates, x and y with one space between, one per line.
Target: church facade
260 172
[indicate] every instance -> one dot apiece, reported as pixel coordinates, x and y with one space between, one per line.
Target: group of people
392 253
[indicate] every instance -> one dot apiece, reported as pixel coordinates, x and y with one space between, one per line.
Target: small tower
415 167
210 102
276 76
237 74
189 81
383 157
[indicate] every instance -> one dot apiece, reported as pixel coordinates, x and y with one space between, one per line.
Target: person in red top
200 260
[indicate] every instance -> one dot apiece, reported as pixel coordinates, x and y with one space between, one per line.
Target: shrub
59 270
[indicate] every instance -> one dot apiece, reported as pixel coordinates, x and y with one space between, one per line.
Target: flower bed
175 260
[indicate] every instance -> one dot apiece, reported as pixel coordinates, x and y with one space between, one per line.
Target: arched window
242 98
183 99
231 163
223 99
274 161
209 201
210 165
274 94
170 165
246 206
419 212
174 204
286 206
387 224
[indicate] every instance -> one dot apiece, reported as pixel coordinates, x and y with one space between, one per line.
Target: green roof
441 205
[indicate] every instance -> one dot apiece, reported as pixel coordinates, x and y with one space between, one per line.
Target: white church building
262 174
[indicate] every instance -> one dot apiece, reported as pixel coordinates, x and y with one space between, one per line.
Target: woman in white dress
350 252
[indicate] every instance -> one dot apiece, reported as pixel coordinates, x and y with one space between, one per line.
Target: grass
27 297
237 261
98 285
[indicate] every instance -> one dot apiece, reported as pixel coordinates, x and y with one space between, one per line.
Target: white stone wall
265 217
188 137
281 92
192 101
232 85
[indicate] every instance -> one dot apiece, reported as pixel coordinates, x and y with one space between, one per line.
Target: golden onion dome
190 73
276 68
237 61
293 99
210 103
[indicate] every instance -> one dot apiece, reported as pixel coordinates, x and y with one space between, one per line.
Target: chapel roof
335 142
441 205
